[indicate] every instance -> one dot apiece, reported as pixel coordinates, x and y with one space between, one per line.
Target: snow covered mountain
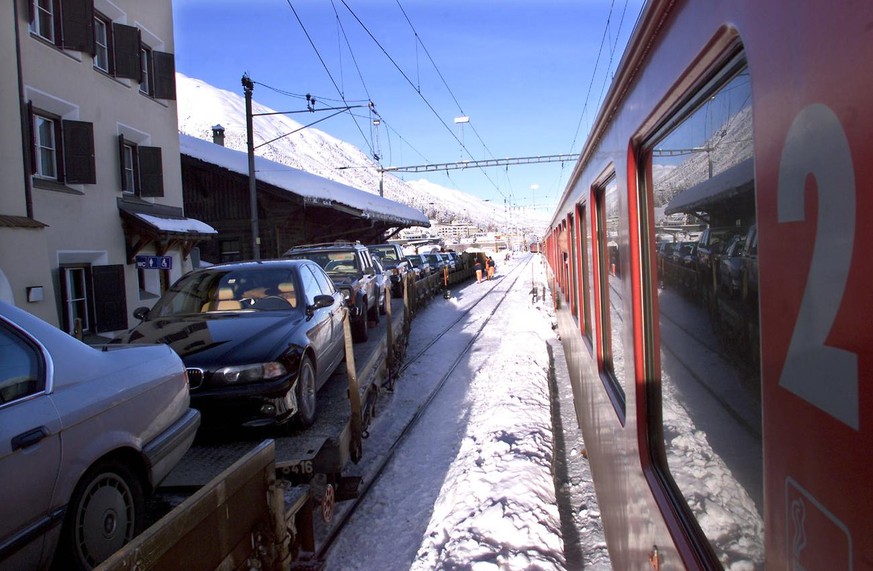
201 106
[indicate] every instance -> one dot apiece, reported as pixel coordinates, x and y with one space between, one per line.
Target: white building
91 172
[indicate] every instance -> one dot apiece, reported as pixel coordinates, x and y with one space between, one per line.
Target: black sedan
258 338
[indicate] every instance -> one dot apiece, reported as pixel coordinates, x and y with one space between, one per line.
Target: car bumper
164 451
252 405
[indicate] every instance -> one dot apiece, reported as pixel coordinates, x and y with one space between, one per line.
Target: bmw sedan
259 339
85 435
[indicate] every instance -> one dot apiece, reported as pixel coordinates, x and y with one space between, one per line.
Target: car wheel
359 327
105 512
306 389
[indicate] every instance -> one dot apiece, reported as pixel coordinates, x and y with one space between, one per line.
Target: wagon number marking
302 468
824 376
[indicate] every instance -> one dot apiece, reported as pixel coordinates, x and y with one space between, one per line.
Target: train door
704 409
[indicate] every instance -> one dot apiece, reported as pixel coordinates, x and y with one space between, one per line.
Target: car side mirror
322 301
141 313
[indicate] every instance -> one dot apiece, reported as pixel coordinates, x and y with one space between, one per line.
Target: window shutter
110 299
79 164
77 25
165 75
126 45
151 172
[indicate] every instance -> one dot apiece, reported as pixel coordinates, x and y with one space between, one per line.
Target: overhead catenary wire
418 91
442 78
324 65
593 74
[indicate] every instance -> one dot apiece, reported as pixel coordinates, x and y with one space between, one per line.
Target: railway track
501 287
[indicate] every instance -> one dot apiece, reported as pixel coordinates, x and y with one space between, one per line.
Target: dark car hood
227 339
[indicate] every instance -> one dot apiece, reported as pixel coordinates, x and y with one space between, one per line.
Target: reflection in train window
610 287
703 193
583 245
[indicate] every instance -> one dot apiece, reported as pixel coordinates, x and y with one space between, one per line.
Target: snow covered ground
489 478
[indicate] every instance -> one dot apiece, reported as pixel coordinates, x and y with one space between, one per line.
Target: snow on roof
314 189
178 225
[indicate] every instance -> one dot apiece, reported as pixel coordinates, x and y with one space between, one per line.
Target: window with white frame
43 23
128 167
62 150
141 166
102 35
46 135
146 82
76 309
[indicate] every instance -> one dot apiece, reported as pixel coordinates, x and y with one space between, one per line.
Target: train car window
583 246
562 244
706 305
610 292
574 268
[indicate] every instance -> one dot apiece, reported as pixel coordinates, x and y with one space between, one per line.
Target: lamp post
248 87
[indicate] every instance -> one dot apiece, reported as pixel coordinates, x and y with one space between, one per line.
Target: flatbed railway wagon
729 422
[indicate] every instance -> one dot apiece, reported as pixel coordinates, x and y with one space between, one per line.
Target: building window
76 307
66 24
102 43
141 168
46 136
43 23
62 150
128 168
146 82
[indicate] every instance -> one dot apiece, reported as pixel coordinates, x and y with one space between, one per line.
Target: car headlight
347 294
249 373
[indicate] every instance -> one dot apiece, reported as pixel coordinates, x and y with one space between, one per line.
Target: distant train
714 290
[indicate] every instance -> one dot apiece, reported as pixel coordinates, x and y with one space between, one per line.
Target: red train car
714 289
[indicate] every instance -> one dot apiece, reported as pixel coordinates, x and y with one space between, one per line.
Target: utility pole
248 87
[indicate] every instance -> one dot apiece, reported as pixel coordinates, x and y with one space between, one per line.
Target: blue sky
521 71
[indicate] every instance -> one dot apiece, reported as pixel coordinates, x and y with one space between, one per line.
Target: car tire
305 390
104 513
359 327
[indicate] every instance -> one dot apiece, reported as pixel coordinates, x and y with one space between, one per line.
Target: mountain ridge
281 139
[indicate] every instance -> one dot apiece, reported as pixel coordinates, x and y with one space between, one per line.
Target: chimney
218 135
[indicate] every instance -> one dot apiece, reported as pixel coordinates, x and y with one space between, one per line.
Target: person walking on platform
491 265
478 267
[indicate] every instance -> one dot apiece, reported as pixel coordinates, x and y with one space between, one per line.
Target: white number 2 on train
816 145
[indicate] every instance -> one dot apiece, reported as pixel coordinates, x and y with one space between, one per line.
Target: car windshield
331 262
220 290
387 253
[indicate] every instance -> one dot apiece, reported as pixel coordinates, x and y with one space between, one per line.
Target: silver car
85 435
